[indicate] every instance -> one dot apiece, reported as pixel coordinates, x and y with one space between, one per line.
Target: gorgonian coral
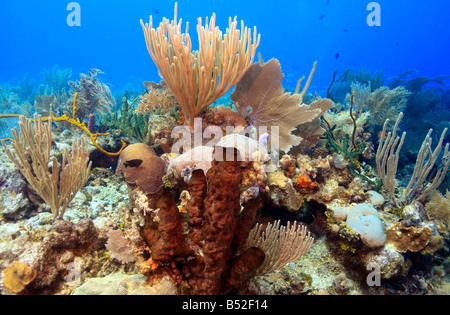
260 97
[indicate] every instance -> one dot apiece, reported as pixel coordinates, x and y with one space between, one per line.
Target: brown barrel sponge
141 166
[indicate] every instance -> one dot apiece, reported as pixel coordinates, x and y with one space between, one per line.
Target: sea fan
118 246
260 98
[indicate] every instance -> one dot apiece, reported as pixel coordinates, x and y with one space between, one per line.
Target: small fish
327 2
337 55
345 30
321 17
380 135
432 174
133 163
102 169
155 11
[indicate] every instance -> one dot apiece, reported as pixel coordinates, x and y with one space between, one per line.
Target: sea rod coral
56 190
199 78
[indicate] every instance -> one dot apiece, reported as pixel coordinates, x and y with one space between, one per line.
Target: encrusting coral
17 276
406 238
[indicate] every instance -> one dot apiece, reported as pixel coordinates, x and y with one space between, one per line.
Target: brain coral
141 166
364 219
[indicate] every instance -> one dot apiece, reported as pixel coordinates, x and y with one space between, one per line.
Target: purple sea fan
118 247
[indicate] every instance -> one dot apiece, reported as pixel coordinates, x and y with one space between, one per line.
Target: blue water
413 35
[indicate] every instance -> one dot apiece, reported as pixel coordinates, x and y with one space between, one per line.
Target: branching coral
387 156
426 159
57 190
200 77
77 123
418 187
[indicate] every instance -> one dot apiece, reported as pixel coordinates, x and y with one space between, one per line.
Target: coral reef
263 192
140 165
260 98
408 238
57 191
438 208
93 95
208 73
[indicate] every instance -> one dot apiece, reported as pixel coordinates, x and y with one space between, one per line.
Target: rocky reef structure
208 240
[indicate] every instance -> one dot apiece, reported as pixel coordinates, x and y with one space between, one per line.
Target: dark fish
327 2
432 174
345 30
133 163
337 55
155 11
321 17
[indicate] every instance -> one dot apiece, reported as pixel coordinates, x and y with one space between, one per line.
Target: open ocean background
413 34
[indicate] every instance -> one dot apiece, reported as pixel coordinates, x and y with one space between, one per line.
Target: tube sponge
365 220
